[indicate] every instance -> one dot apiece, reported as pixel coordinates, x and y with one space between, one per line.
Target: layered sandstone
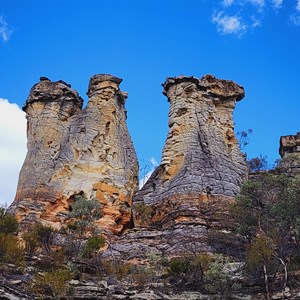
77 151
289 144
184 205
289 150
201 155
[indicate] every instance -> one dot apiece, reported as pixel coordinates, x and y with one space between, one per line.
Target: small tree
84 213
93 244
45 236
258 163
267 212
217 279
243 137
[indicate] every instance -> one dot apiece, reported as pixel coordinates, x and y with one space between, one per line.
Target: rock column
73 151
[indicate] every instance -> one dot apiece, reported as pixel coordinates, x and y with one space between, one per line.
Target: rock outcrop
289 144
289 151
201 160
77 151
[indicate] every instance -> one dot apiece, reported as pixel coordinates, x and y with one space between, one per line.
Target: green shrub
144 212
11 250
178 266
116 268
8 223
53 283
84 213
45 236
217 280
93 244
31 242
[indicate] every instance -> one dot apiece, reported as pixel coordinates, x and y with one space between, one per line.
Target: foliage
243 137
189 271
144 212
52 283
8 223
72 246
11 250
45 236
84 212
267 212
258 163
116 268
217 280
261 251
93 244
31 242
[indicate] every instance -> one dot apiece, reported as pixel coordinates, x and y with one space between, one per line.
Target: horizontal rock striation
289 144
289 151
201 154
202 167
77 151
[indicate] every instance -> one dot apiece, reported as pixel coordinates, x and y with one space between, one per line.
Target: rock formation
73 151
201 158
289 144
184 204
289 150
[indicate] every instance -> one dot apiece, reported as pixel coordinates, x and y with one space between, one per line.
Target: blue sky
256 43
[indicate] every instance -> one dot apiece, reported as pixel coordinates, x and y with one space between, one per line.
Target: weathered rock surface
201 154
289 144
201 157
73 151
290 153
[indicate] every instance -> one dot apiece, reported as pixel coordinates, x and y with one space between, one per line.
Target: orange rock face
77 151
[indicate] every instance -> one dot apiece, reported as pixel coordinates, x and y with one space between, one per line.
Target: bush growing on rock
31 240
45 236
84 213
93 244
53 283
267 213
10 249
8 223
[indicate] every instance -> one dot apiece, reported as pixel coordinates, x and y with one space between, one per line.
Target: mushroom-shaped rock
73 151
201 157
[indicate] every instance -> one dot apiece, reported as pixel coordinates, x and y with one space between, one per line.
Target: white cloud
255 22
236 17
277 3
12 148
227 3
5 29
298 5
229 24
295 19
146 170
258 3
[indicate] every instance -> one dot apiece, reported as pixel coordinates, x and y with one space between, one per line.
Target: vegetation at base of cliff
268 215
83 214
11 251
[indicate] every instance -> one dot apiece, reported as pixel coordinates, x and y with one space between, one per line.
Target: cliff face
201 155
185 202
73 151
